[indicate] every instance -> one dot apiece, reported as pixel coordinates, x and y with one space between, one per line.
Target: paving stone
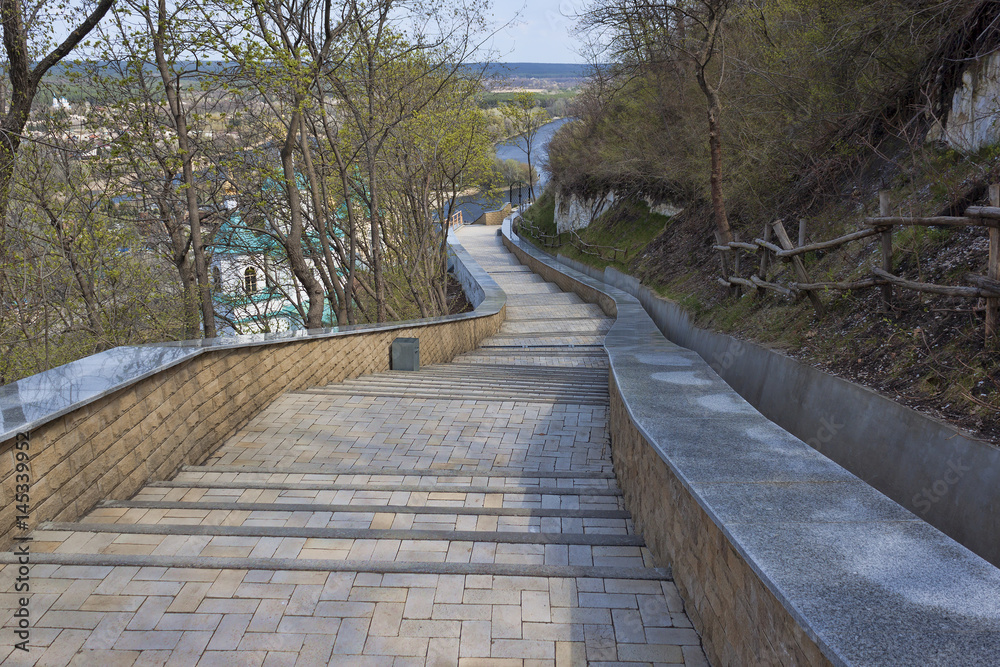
419 603
442 651
351 637
229 632
475 640
132 640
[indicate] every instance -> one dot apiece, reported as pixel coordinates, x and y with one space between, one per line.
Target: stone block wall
494 218
739 619
113 446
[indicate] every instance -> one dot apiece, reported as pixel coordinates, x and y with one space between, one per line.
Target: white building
253 288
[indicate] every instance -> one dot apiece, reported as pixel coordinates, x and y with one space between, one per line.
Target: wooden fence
603 252
776 245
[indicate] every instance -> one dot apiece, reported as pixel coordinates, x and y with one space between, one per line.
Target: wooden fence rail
981 287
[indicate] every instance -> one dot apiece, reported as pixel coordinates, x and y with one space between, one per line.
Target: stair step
491 376
365 483
519 278
333 469
600 466
461 368
388 488
531 288
465 396
527 384
564 319
419 380
431 390
505 537
340 544
441 499
366 566
394 509
586 349
566 326
365 517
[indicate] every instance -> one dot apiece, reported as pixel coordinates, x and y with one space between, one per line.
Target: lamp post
520 190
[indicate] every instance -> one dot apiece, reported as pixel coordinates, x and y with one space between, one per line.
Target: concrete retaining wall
942 475
741 622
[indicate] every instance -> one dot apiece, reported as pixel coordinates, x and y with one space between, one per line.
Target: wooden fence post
802 232
800 268
736 256
765 257
722 259
993 269
883 211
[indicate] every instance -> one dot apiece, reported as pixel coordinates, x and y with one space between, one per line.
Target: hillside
802 137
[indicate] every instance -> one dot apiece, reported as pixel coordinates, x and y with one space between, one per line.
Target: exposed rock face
576 212
974 119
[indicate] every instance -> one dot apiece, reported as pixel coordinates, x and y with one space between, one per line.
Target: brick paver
466 514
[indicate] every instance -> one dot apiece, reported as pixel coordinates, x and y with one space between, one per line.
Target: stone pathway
466 514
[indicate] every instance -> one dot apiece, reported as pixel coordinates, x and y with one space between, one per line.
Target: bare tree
686 31
151 72
526 118
25 69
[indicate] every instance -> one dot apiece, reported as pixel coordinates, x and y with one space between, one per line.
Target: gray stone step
524 287
339 469
461 396
308 532
340 544
367 566
431 385
389 483
373 517
394 509
485 380
387 488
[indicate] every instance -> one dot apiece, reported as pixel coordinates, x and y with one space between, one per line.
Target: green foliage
556 104
542 214
628 227
792 75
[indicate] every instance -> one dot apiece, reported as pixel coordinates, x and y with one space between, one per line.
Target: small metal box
405 354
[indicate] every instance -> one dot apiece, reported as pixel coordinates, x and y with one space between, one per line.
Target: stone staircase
466 513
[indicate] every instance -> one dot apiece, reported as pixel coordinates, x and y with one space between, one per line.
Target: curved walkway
463 514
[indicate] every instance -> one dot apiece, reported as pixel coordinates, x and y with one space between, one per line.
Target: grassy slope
628 227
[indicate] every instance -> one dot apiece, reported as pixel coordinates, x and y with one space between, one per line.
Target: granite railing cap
43 397
867 580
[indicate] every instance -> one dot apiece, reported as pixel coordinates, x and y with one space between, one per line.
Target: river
473 207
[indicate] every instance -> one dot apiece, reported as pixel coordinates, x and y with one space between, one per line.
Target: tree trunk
179 118
293 241
334 290
378 274
715 151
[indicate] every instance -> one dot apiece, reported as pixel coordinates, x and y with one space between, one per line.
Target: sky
540 31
